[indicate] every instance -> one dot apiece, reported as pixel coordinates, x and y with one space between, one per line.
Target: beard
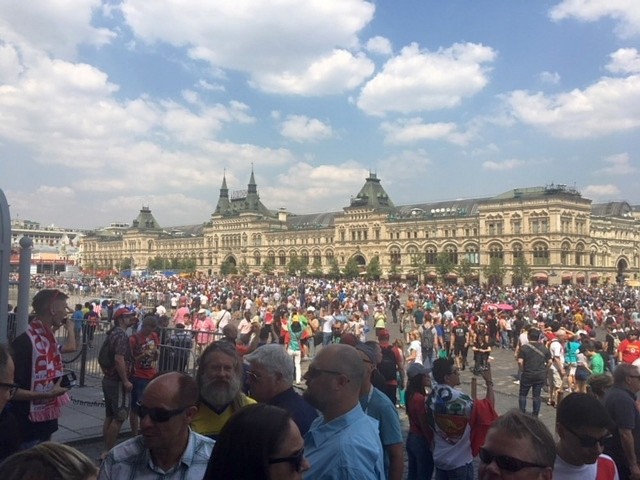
220 393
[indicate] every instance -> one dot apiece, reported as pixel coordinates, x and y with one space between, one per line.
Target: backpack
388 367
427 341
106 355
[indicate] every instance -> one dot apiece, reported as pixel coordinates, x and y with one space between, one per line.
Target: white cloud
414 130
625 61
552 78
607 191
619 164
608 106
55 26
418 80
379 45
625 12
300 128
290 42
504 165
309 186
211 87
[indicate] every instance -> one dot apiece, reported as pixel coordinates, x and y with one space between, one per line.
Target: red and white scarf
46 369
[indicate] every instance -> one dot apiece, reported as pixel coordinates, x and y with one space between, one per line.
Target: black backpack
388 367
106 355
428 341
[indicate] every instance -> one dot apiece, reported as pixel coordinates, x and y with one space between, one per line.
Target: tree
521 271
465 271
126 263
351 269
419 262
268 267
393 271
293 267
495 271
228 268
374 271
334 269
243 268
188 265
444 265
316 268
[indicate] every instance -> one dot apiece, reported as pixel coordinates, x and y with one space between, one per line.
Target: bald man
343 442
166 448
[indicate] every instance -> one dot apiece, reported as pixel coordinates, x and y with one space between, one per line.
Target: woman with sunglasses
260 442
517 446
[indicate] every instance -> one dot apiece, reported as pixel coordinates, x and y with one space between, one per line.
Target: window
394 256
431 255
471 254
317 258
540 254
516 227
517 252
495 251
452 252
579 254
564 254
282 259
256 258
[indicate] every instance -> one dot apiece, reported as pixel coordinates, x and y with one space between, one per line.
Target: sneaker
517 382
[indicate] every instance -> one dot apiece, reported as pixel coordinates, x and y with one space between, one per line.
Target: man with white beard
219 378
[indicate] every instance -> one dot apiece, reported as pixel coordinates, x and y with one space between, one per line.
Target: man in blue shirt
342 443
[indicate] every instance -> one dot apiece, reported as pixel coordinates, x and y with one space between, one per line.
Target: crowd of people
241 415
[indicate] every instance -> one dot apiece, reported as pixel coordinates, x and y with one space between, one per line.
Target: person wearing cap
377 405
390 367
116 384
419 455
37 403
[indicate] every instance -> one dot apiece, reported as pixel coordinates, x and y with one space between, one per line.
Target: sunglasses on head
505 462
294 460
158 415
587 441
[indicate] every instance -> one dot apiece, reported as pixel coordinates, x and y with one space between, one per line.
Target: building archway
621 268
231 260
359 259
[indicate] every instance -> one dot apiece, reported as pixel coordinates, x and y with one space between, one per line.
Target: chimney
282 215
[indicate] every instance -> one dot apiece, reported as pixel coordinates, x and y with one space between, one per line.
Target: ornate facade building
563 237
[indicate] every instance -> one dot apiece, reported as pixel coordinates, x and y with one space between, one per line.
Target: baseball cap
121 312
416 369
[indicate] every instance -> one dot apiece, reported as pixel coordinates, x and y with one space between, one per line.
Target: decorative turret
223 200
372 195
253 200
145 220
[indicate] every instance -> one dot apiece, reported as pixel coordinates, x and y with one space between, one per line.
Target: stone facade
563 237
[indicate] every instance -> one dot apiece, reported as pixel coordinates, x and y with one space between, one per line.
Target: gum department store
563 237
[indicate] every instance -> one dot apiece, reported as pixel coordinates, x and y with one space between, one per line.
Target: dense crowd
372 347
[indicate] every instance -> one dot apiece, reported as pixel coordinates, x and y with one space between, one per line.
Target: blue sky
106 106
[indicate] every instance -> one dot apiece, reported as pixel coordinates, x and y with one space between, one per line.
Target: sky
108 106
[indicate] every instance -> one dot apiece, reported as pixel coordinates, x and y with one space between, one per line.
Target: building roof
372 195
312 221
612 209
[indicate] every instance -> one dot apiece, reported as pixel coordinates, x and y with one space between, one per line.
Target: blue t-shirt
571 351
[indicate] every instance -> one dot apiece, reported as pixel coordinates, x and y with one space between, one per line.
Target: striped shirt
131 460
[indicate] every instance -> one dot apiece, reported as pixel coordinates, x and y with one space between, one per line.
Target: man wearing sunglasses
583 426
518 446
166 448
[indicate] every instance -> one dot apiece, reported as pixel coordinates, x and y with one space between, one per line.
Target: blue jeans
464 472
326 338
420 458
522 399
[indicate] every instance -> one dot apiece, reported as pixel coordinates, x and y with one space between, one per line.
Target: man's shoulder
126 452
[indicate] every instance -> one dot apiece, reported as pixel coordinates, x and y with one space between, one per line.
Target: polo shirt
621 405
301 411
347 447
131 460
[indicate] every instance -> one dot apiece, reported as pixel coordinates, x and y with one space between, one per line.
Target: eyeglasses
587 441
505 462
158 415
252 377
314 372
11 387
294 460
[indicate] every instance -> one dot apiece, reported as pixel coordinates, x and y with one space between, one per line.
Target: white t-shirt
564 471
557 352
416 346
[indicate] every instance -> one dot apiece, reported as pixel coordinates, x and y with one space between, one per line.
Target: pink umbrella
504 306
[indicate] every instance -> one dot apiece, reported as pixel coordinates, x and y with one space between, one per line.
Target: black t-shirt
460 334
621 405
535 357
22 358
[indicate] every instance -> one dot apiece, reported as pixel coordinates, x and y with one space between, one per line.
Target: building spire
253 188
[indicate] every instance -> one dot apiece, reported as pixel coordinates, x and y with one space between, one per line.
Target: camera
69 380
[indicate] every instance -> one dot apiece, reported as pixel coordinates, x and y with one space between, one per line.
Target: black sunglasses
587 441
12 387
313 372
506 462
158 415
294 460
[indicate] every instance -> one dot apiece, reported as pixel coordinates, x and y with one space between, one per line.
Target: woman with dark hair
260 442
420 435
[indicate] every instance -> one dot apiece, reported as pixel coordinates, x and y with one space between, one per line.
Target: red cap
122 312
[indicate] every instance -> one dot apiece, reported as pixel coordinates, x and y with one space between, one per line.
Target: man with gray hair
270 378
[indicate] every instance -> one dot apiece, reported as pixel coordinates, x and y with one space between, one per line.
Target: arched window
579 254
471 254
317 258
256 259
540 254
282 259
564 254
394 256
452 252
432 255
495 251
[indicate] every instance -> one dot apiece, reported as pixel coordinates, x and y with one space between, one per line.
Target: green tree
268 267
393 271
243 268
495 271
316 268
334 269
520 271
444 265
351 269
126 263
294 266
374 270
419 263
228 268
465 271
188 265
